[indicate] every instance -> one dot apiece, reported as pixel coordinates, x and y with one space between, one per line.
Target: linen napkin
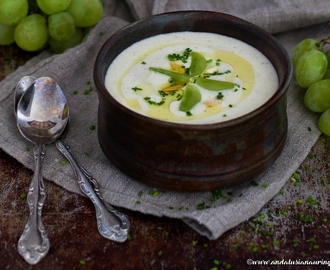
73 70
273 16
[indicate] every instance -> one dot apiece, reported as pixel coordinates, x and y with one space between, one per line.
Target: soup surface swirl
191 77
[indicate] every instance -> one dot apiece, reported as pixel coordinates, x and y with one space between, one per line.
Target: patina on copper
183 157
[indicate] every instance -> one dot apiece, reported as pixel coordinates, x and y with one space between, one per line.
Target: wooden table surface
294 225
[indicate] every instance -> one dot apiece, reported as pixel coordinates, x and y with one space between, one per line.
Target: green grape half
324 122
7 34
198 64
61 46
31 34
61 26
302 47
53 6
191 96
317 96
310 68
12 11
85 12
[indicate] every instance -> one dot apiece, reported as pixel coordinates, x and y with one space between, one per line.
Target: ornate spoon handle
33 244
111 223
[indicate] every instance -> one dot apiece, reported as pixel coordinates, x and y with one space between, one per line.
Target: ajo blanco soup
193 78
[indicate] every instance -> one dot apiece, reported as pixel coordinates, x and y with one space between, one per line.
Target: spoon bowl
42 112
42 115
20 89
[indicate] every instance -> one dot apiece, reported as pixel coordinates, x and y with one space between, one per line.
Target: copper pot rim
99 69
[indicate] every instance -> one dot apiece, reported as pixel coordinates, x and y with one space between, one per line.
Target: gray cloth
272 15
73 70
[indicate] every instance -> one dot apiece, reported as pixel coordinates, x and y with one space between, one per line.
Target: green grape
53 6
31 34
310 68
61 26
85 12
301 48
191 96
324 122
7 34
317 96
12 11
60 47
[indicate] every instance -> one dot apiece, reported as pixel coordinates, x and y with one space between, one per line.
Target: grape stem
320 45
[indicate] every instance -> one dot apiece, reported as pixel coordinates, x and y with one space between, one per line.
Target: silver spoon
42 115
111 223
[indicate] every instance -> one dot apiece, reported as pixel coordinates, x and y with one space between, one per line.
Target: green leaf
179 78
191 96
214 85
198 64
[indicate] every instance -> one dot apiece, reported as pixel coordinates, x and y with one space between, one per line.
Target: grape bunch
311 63
35 24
